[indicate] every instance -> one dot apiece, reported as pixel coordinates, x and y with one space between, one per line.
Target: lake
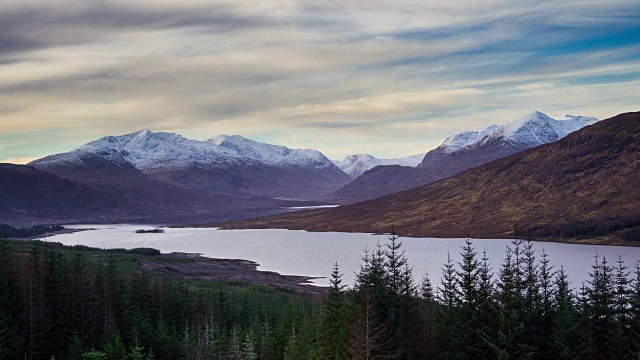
295 252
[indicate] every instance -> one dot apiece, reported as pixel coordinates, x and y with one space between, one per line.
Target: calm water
313 254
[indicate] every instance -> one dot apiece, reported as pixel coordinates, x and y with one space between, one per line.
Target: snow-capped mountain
223 164
149 151
355 165
462 151
526 131
461 139
536 128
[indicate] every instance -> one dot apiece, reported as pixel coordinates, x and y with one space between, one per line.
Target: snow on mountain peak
532 129
356 164
465 138
147 151
536 128
268 153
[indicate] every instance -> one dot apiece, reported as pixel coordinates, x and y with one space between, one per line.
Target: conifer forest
82 303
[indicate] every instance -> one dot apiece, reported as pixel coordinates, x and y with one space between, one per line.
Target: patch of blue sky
46 143
605 79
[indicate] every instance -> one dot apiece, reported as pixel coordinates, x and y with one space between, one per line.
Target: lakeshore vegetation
84 303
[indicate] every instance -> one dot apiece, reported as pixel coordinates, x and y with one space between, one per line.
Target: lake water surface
295 252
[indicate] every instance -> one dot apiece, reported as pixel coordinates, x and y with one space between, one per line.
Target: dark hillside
592 174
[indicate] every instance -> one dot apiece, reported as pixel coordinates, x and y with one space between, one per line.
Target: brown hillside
591 174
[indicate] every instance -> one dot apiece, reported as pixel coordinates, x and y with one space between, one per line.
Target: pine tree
621 337
510 342
394 264
333 331
546 311
248 348
567 341
372 334
487 313
447 318
601 310
10 341
531 311
428 314
114 347
634 303
469 324
409 314
36 319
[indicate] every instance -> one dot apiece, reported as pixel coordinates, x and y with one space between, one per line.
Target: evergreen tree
546 312
469 325
248 348
333 332
10 300
600 306
532 312
510 342
486 314
428 314
447 318
372 334
114 347
567 342
621 337
37 322
634 303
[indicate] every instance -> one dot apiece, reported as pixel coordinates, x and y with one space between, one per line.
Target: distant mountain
135 197
462 151
224 164
589 175
355 165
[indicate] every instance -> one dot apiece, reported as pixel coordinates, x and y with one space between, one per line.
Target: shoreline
230 270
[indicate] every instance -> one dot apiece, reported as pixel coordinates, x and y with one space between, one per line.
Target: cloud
337 76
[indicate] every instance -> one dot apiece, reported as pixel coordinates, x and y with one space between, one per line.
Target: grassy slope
590 174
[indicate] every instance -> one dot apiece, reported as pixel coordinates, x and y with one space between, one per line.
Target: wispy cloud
343 77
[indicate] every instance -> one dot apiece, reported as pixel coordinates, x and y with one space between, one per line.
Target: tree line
62 304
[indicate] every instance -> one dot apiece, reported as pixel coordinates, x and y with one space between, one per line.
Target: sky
385 78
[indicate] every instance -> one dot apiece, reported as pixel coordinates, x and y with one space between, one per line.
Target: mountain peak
357 164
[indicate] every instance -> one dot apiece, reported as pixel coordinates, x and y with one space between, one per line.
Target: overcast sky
386 78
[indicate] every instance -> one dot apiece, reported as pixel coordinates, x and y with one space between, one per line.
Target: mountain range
225 164
462 151
163 177
591 176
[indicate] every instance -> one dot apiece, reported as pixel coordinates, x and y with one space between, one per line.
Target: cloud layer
343 77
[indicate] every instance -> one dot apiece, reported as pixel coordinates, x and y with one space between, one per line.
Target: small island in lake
152 231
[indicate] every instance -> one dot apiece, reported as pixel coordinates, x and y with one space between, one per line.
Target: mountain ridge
461 151
230 165
591 174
